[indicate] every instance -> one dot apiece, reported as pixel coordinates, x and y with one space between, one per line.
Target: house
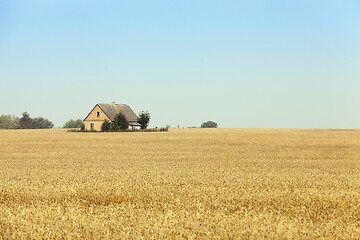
102 112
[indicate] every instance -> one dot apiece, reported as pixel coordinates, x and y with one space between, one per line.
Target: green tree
9 122
106 126
5 122
78 123
120 123
42 123
209 124
25 121
144 119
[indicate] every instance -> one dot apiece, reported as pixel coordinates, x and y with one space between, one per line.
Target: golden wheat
185 183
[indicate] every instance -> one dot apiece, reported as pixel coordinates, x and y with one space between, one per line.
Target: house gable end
98 118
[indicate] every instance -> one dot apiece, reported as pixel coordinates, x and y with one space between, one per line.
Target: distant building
102 112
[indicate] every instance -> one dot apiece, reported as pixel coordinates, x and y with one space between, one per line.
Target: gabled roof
112 110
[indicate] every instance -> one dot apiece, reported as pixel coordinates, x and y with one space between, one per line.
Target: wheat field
181 184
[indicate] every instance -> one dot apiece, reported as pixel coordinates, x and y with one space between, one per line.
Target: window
92 126
98 114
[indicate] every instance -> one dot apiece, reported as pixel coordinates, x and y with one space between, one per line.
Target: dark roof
112 110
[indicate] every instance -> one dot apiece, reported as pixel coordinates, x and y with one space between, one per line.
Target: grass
185 184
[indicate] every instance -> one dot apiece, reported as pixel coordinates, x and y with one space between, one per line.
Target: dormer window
98 114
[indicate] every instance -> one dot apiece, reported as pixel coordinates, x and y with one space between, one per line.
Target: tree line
25 122
120 123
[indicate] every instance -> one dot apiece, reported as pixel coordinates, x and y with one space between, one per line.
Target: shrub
164 129
78 123
209 124
106 126
120 123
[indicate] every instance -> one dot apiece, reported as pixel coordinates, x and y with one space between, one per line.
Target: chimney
113 104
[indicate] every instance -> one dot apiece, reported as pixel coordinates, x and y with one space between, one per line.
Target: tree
106 126
42 123
25 121
209 124
120 123
144 119
78 123
9 122
5 122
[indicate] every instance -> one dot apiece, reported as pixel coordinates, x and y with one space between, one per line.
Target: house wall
134 127
93 118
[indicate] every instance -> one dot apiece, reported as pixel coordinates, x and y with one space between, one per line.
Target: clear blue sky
239 63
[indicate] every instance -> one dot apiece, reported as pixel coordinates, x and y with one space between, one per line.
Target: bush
78 123
104 129
120 123
106 126
164 129
209 124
